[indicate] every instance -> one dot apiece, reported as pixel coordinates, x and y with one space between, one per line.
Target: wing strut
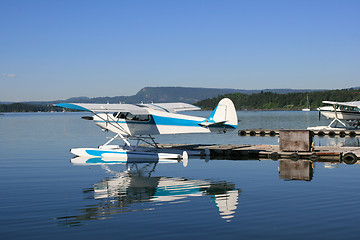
336 119
122 138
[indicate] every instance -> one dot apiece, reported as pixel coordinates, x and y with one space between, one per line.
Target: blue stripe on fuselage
159 120
175 121
167 121
184 122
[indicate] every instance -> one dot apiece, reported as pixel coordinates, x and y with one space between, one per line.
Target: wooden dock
349 155
320 133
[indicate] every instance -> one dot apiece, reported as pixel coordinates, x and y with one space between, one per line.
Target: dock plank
267 151
275 132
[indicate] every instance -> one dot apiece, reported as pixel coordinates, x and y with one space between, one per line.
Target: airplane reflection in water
340 142
126 189
129 190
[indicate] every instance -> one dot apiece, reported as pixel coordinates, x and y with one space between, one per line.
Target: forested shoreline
26 107
256 101
276 101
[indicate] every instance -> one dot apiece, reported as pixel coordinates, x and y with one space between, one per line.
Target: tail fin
223 115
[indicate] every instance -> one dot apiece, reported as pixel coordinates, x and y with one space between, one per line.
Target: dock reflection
303 169
125 190
300 169
296 170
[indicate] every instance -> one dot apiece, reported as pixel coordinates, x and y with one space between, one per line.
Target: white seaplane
140 121
345 113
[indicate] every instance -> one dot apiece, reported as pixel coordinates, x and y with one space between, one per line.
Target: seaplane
347 114
139 122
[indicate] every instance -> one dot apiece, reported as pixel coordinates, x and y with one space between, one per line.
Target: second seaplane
140 122
347 114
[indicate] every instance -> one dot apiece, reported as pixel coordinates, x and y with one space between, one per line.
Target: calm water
44 196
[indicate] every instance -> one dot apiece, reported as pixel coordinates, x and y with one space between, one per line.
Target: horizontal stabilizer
207 123
223 115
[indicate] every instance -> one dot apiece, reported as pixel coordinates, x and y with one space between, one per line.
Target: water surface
45 196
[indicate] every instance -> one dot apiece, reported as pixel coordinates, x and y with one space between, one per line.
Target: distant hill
162 94
170 94
177 94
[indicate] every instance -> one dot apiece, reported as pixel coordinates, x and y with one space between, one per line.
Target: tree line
257 101
276 101
26 107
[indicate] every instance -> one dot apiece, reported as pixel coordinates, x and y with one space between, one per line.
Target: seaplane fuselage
154 123
342 112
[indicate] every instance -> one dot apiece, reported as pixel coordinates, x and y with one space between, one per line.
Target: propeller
87 118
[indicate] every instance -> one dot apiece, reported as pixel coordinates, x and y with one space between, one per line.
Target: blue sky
59 49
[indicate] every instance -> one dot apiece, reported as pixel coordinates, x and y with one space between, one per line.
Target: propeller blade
87 118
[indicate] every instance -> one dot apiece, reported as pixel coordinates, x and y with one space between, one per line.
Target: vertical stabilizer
223 114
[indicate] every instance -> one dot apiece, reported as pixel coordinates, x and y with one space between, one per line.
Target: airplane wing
172 107
96 107
136 109
350 104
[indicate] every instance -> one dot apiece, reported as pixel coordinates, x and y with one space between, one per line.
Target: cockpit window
121 115
131 117
349 108
144 118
